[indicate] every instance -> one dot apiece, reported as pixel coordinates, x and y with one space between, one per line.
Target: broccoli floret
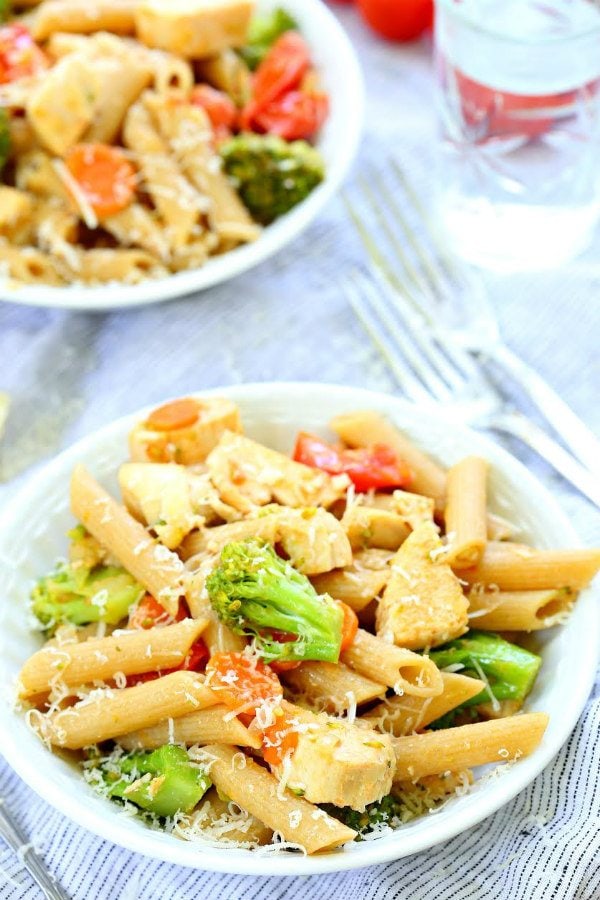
509 669
271 175
255 593
4 129
5 10
162 782
388 811
262 34
75 594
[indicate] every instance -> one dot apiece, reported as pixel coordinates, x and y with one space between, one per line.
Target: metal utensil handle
15 839
575 433
546 447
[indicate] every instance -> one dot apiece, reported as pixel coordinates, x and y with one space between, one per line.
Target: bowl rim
223 268
374 852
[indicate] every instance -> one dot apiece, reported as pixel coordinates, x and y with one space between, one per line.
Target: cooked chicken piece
313 539
367 526
336 762
360 582
61 106
159 496
423 604
248 475
15 207
193 28
414 508
188 445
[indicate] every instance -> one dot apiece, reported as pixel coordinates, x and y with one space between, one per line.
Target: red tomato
20 56
282 69
368 467
398 20
220 109
294 116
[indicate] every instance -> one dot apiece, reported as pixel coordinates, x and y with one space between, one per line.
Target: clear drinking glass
518 182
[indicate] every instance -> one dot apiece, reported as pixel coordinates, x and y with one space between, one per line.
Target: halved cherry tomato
282 69
368 467
20 56
219 107
104 175
294 116
278 739
195 661
172 416
349 625
149 613
397 20
242 681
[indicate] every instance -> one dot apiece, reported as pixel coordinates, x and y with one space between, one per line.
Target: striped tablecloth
68 374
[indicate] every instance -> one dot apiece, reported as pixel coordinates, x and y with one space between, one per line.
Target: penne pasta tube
404 715
519 610
403 670
256 790
517 567
454 749
127 653
108 713
332 687
203 727
361 429
465 515
212 540
160 571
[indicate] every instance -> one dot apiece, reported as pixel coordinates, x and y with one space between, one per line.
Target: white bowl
341 76
32 537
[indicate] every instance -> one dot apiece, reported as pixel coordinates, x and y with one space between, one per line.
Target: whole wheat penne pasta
519 610
332 687
160 571
404 715
203 727
100 659
28 265
465 514
453 749
178 204
256 790
135 226
360 429
516 567
403 670
108 713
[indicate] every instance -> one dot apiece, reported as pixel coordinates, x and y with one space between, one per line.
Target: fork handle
560 459
572 431
14 837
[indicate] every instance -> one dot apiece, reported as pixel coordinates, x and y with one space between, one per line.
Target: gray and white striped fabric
69 374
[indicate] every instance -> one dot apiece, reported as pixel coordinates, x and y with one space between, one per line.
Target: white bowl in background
341 77
32 536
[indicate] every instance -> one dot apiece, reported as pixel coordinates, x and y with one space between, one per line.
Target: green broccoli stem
164 781
255 593
4 128
509 669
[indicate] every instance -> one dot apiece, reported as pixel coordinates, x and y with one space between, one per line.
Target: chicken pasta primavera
138 138
250 649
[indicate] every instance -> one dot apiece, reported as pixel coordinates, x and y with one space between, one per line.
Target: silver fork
451 299
14 837
444 377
